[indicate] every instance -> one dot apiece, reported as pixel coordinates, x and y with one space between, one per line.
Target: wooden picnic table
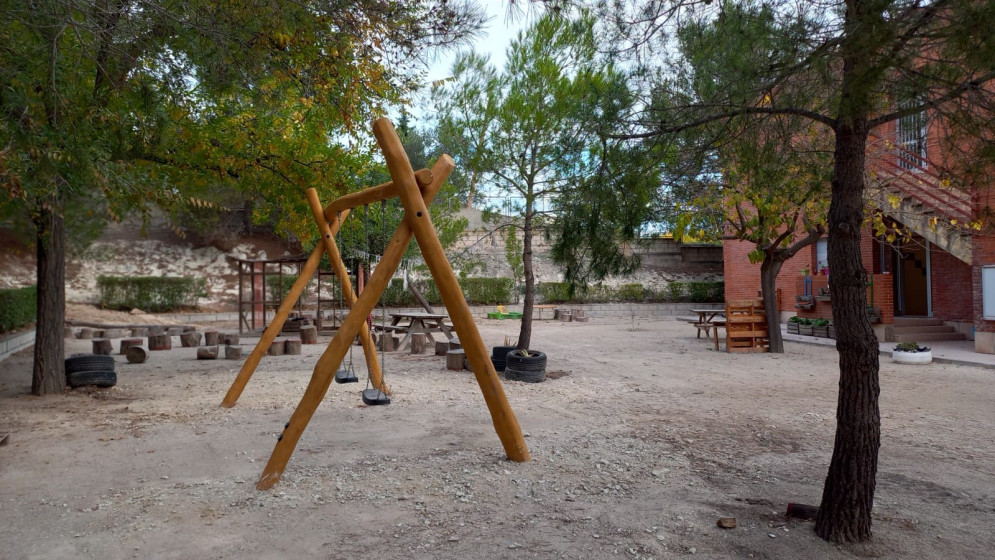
418 322
707 322
540 307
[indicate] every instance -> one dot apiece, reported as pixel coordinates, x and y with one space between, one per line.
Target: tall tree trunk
525 333
49 375
769 269
848 495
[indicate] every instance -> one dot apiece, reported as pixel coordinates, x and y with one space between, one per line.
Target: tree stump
292 347
566 317
233 352
86 333
174 331
278 347
454 344
418 343
556 314
128 343
160 342
455 360
156 329
141 332
136 354
190 339
441 347
67 332
207 353
578 315
309 334
113 333
387 342
230 339
102 346
211 338
98 333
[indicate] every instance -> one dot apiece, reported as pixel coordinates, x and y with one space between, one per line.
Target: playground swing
373 396
346 374
416 191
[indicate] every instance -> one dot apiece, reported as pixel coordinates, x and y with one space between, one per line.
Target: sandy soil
643 442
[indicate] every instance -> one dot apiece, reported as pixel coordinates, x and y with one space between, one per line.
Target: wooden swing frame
416 191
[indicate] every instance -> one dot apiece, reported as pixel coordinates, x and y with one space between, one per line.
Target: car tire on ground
95 378
89 362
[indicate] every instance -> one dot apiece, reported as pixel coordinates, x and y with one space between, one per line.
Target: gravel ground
645 438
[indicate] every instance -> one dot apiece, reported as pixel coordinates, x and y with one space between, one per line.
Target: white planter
912 357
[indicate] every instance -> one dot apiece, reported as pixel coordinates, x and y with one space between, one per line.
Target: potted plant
820 327
793 324
911 353
832 330
805 327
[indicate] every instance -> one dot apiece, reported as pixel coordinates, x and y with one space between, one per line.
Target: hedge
477 291
17 308
149 293
699 292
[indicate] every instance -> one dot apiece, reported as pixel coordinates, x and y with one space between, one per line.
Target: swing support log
335 213
416 223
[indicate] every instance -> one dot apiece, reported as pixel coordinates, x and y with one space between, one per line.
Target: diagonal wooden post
330 360
416 214
328 240
335 213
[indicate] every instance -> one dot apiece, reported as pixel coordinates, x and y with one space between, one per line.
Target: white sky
493 41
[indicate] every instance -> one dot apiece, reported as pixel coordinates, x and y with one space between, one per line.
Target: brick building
939 285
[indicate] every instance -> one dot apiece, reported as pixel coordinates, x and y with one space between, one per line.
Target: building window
912 131
988 292
822 256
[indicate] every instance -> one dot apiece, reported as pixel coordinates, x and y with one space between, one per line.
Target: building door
912 280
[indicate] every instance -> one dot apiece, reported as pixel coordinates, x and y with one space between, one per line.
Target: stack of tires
528 366
498 355
90 369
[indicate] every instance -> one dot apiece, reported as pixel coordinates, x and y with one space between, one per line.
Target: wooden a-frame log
332 357
336 212
328 240
417 216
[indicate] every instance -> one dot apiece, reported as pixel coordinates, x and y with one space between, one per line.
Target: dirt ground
643 441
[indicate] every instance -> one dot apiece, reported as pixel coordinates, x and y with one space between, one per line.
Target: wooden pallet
746 326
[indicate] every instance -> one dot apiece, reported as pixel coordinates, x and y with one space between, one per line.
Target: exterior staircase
924 329
904 188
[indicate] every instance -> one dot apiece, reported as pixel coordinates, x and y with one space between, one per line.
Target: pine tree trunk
769 270
848 495
49 375
525 333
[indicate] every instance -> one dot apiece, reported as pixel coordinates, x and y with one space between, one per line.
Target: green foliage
631 292
17 307
820 323
910 347
277 287
149 293
513 253
796 319
697 292
476 291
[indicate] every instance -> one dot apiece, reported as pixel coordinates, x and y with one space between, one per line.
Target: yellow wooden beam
417 216
330 360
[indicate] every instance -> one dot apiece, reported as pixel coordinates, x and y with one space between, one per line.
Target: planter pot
901 357
792 328
821 331
832 332
805 330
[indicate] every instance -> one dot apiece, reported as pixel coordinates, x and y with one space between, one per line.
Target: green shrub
17 307
553 292
149 293
487 291
631 292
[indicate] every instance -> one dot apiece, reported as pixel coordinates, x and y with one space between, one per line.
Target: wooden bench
539 308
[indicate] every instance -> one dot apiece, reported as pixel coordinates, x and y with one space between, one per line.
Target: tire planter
499 356
95 378
901 357
531 368
89 362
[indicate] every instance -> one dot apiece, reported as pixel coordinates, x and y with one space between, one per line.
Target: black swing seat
345 376
375 397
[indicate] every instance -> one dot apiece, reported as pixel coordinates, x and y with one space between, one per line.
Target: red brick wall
950 282
742 279
983 254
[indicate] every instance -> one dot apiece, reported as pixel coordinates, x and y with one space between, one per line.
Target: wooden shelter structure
415 190
260 293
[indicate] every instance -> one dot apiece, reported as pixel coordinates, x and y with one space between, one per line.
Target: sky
493 41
